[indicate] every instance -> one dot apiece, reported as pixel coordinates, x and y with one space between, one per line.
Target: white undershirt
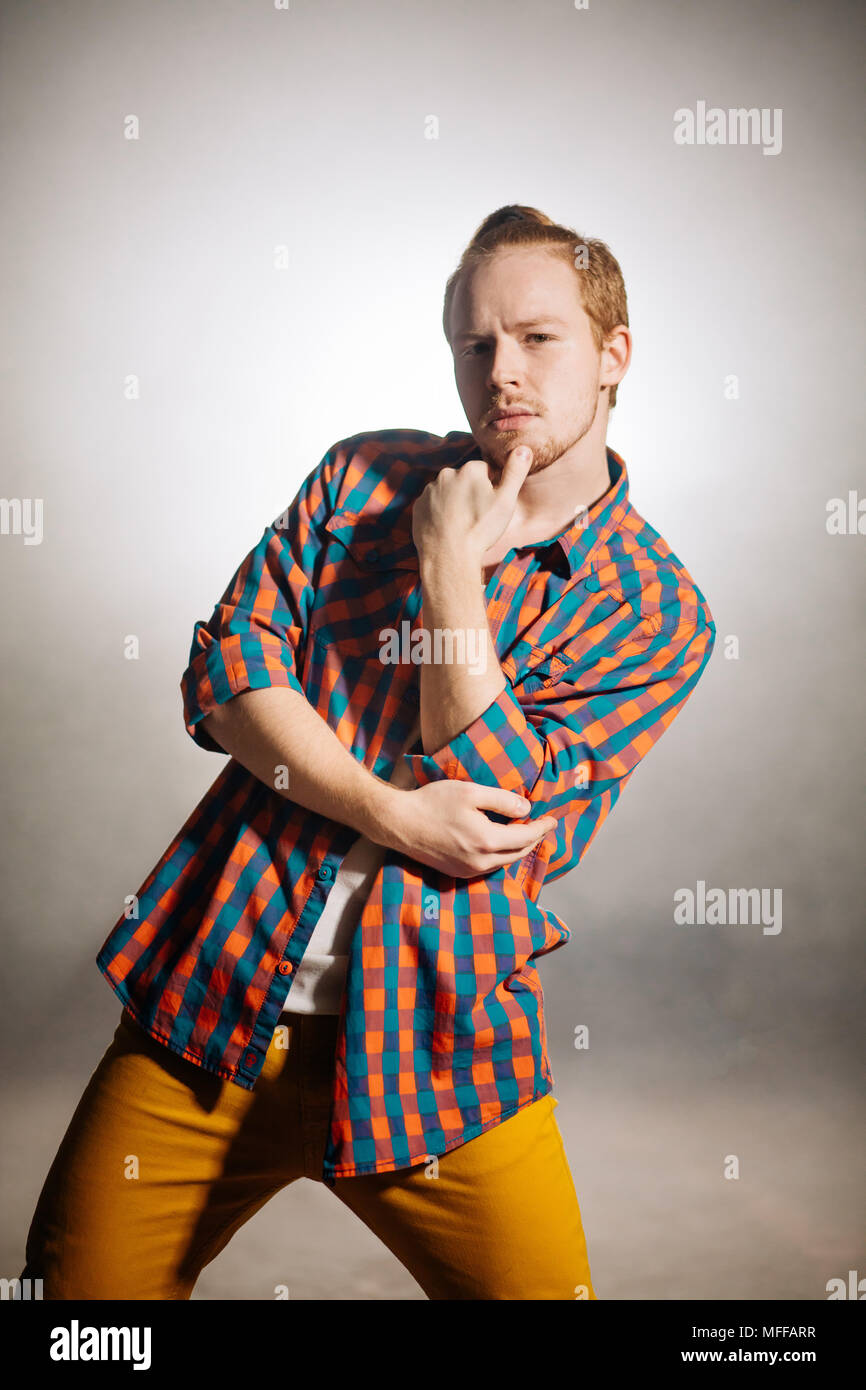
317 984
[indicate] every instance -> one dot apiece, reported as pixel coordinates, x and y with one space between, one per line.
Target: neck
551 498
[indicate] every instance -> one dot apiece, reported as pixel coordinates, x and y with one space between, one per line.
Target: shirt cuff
212 679
498 749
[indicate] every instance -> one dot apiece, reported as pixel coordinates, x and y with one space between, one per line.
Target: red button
250 1059
285 967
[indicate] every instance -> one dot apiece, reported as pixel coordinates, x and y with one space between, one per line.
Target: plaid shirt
601 634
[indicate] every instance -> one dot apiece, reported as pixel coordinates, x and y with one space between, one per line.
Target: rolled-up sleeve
255 635
569 741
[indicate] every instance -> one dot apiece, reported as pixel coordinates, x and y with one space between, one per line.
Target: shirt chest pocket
368 586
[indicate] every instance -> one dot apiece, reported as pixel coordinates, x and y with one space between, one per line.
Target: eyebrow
524 323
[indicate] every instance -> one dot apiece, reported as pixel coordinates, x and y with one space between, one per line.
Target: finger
517 465
500 861
498 799
503 839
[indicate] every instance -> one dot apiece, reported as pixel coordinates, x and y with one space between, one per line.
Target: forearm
277 736
454 693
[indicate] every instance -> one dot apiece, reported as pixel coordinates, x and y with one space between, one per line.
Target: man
331 972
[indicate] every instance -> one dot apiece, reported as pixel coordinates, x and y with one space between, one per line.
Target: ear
615 356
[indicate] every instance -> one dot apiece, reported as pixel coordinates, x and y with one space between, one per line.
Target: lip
512 422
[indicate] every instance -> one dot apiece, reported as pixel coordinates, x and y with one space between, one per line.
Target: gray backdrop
368 142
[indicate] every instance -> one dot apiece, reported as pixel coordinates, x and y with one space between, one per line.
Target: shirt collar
593 527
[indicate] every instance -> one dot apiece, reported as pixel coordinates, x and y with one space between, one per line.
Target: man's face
521 337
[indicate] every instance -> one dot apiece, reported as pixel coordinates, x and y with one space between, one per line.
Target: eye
471 351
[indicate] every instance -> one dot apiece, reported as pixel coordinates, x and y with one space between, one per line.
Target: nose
504 367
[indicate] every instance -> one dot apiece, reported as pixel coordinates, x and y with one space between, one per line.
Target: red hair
602 288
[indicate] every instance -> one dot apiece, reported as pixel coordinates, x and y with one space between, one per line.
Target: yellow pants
162 1162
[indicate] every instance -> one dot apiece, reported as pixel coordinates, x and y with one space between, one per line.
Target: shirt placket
500 591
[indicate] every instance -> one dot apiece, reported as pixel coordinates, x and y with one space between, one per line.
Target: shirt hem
222 1071
352 1170
329 1171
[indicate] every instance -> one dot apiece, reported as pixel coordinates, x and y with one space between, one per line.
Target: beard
547 449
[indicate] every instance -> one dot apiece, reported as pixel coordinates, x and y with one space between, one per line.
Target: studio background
309 129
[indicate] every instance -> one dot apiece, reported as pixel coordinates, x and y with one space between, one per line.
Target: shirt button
250 1059
285 967
372 556
324 872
